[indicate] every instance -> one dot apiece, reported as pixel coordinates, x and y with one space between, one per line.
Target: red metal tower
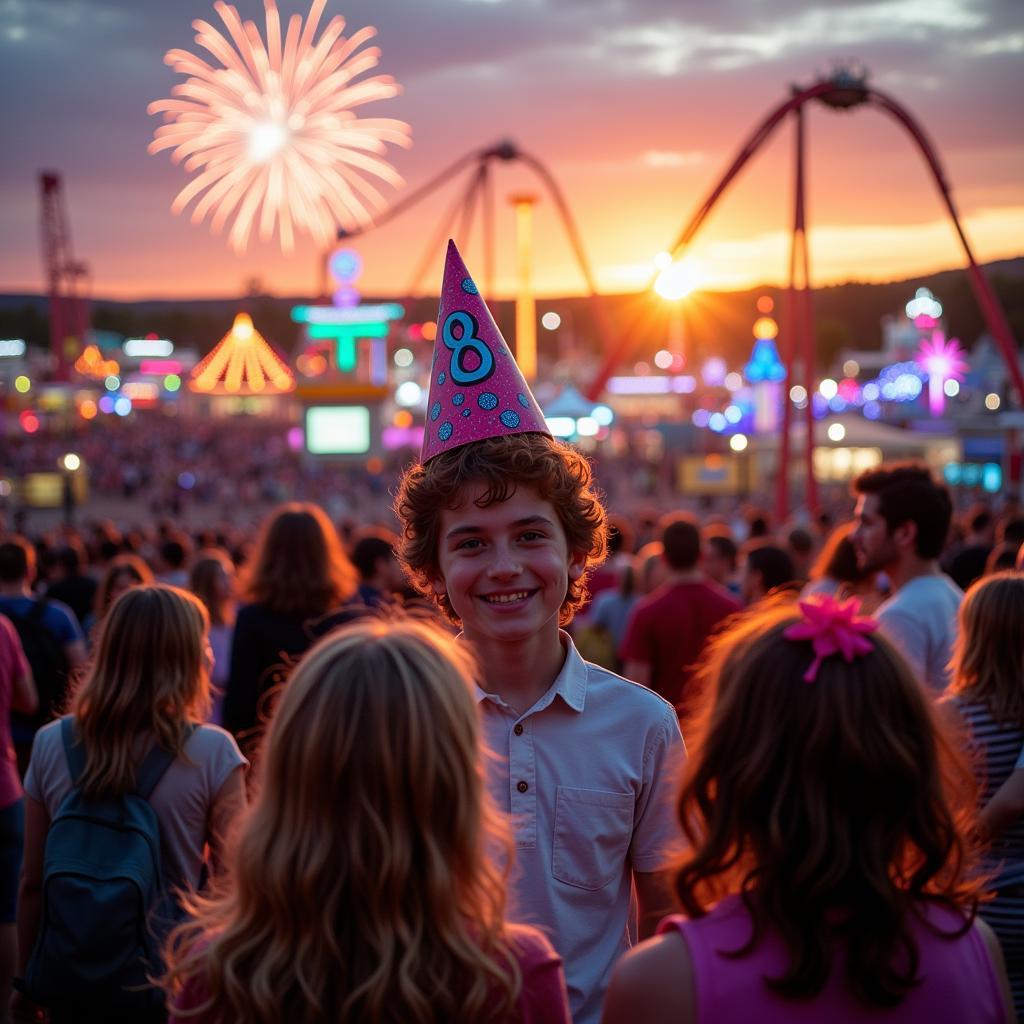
844 89
67 279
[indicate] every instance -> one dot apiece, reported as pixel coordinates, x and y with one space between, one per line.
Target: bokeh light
408 393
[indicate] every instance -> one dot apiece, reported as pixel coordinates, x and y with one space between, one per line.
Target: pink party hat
476 389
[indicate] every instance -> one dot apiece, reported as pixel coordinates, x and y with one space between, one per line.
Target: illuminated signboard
140 348
338 429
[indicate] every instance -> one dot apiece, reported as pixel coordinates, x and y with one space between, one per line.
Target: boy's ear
905 534
439 586
577 565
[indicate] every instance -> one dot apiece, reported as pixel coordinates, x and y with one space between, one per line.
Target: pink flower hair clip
833 627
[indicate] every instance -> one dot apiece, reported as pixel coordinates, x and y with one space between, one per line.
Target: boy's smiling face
506 568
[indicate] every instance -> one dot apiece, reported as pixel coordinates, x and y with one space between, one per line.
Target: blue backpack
106 910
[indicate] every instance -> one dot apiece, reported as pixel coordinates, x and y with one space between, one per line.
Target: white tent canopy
569 403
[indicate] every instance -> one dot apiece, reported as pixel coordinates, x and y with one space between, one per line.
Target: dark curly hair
556 471
907 492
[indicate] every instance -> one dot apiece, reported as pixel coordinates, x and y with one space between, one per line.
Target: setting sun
677 280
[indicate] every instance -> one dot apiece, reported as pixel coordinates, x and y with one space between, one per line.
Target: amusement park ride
67 278
478 194
345 329
845 89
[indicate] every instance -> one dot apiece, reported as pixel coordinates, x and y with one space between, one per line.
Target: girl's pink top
958 980
543 998
12 667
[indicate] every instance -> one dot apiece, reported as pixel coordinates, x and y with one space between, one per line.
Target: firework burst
271 129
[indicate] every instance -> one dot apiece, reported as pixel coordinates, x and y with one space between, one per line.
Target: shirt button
518 728
522 786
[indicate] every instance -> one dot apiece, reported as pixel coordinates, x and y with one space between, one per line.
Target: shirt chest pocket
593 830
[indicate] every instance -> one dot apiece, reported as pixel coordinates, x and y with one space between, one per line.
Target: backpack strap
154 765
150 772
74 750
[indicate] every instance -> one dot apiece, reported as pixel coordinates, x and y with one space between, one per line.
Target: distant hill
845 315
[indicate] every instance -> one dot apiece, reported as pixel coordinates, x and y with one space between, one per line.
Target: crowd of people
396 776
337 773
158 465
229 473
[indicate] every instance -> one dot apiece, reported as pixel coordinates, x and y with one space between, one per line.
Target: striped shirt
997 747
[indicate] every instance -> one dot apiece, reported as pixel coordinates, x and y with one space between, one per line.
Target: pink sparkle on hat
476 389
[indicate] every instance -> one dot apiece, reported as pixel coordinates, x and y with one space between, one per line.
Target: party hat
476 389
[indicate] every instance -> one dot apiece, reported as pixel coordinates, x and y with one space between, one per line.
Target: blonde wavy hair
360 887
988 660
149 676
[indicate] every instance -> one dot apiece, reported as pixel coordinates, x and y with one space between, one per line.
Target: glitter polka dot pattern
479 406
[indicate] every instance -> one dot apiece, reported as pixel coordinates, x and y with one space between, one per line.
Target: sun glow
677 280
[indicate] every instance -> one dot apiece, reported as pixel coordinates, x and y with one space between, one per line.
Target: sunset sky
636 106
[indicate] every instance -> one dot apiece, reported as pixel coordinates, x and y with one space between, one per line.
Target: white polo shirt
921 621
589 776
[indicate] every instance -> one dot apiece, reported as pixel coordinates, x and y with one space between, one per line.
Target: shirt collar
570 684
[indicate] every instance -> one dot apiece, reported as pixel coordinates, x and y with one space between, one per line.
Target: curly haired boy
501 526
